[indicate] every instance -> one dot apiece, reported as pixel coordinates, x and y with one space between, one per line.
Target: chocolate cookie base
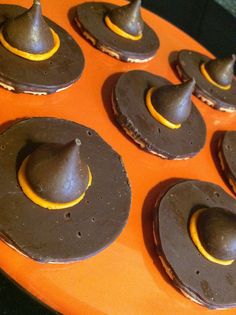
188 66
205 282
227 158
90 19
40 77
59 236
132 114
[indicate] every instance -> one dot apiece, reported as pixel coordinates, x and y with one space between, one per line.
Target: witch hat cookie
34 50
118 31
197 220
158 115
56 195
215 83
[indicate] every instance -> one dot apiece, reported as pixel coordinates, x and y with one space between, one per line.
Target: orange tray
126 278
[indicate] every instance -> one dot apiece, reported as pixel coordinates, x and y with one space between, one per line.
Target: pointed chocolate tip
128 18
29 32
173 102
56 172
221 70
216 228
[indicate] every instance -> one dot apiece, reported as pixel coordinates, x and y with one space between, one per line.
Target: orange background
126 278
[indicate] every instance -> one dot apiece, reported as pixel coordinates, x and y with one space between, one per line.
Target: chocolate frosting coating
173 102
221 70
217 232
210 284
69 234
41 76
90 17
227 150
29 31
188 65
56 172
132 114
128 18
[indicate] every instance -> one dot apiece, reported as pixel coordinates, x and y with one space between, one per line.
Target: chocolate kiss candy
221 70
29 32
217 232
128 18
173 102
56 172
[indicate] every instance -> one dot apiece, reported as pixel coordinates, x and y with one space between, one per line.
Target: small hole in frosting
216 194
50 62
93 219
67 216
228 147
197 272
89 133
61 238
3 147
191 142
159 130
88 202
79 234
45 72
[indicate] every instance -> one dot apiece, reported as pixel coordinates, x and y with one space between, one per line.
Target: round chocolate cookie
90 19
59 236
188 66
203 281
40 77
227 157
132 114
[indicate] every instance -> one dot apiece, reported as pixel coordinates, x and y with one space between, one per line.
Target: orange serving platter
127 277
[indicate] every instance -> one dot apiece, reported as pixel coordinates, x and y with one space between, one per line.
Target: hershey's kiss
173 102
221 70
217 232
29 31
56 172
128 18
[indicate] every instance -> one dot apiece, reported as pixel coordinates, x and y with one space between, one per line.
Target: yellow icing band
119 31
29 56
207 76
198 244
155 114
40 201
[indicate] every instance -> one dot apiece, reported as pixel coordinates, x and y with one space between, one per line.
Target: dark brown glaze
29 31
132 114
221 70
202 280
128 18
70 234
188 66
56 172
217 232
227 151
90 19
173 102
41 76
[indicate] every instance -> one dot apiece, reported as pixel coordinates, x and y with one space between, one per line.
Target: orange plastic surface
127 277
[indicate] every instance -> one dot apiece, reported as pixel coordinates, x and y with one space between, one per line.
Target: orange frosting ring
29 56
155 114
209 79
114 28
28 191
195 238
